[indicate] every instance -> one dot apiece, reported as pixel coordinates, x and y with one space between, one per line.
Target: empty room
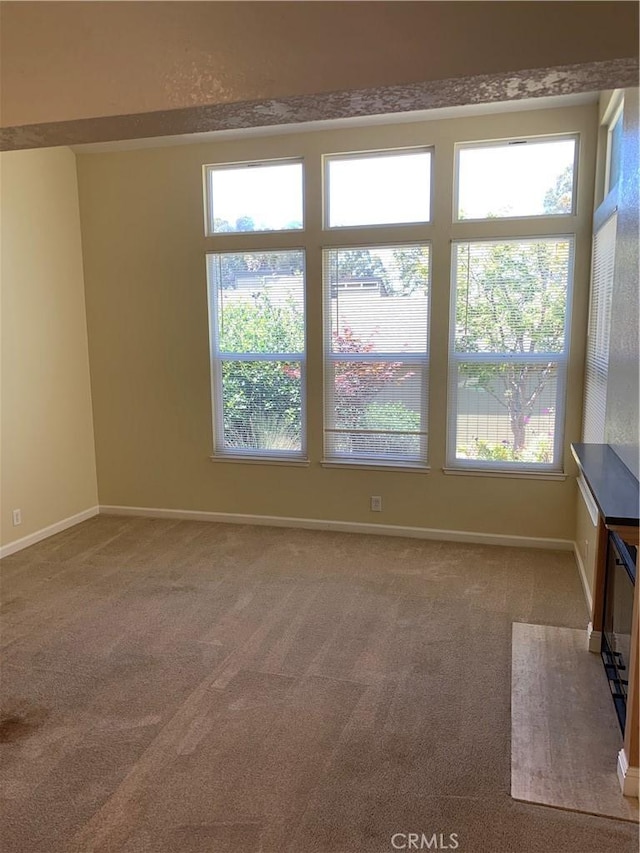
319 427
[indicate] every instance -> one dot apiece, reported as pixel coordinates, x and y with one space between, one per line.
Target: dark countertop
612 485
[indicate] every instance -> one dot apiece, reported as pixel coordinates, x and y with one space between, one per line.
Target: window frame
561 359
503 143
368 155
209 217
422 360
218 357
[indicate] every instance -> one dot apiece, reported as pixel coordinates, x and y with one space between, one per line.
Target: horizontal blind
597 360
376 345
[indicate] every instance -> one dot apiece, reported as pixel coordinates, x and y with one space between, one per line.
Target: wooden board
565 736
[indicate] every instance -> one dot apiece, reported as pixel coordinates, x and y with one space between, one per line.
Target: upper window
256 318
376 353
508 355
254 197
614 149
514 179
387 188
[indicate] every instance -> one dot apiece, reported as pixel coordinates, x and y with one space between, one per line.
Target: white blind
597 361
376 344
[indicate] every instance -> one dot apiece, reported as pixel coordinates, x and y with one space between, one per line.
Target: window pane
516 179
511 296
262 405
377 410
256 301
260 197
377 319
259 301
506 412
379 189
379 298
597 359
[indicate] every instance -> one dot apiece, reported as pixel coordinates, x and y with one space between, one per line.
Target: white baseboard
45 532
594 639
628 777
344 527
583 577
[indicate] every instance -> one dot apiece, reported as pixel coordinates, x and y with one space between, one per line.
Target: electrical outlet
17 517
376 503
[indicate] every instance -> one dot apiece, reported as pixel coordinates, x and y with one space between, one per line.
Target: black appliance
618 612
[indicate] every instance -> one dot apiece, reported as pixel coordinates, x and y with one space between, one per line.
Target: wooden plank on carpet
564 732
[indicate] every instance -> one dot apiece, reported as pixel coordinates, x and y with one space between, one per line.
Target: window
614 149
376 348
502 331
254 197
508 352
517 178
597 361
257 323
384 188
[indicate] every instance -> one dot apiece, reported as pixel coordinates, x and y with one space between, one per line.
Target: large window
496 233
256 318
508 352
376 346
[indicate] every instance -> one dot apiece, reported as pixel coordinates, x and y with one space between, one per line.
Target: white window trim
501 143
561 359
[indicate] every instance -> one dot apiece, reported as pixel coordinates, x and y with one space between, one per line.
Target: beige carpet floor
183 687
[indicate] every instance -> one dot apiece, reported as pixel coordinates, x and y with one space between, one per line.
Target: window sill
362 465
496 472
262 460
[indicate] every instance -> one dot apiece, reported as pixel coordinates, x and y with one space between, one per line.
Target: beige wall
63 61
144 250
47 450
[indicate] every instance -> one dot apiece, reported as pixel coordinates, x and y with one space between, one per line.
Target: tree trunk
519 430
